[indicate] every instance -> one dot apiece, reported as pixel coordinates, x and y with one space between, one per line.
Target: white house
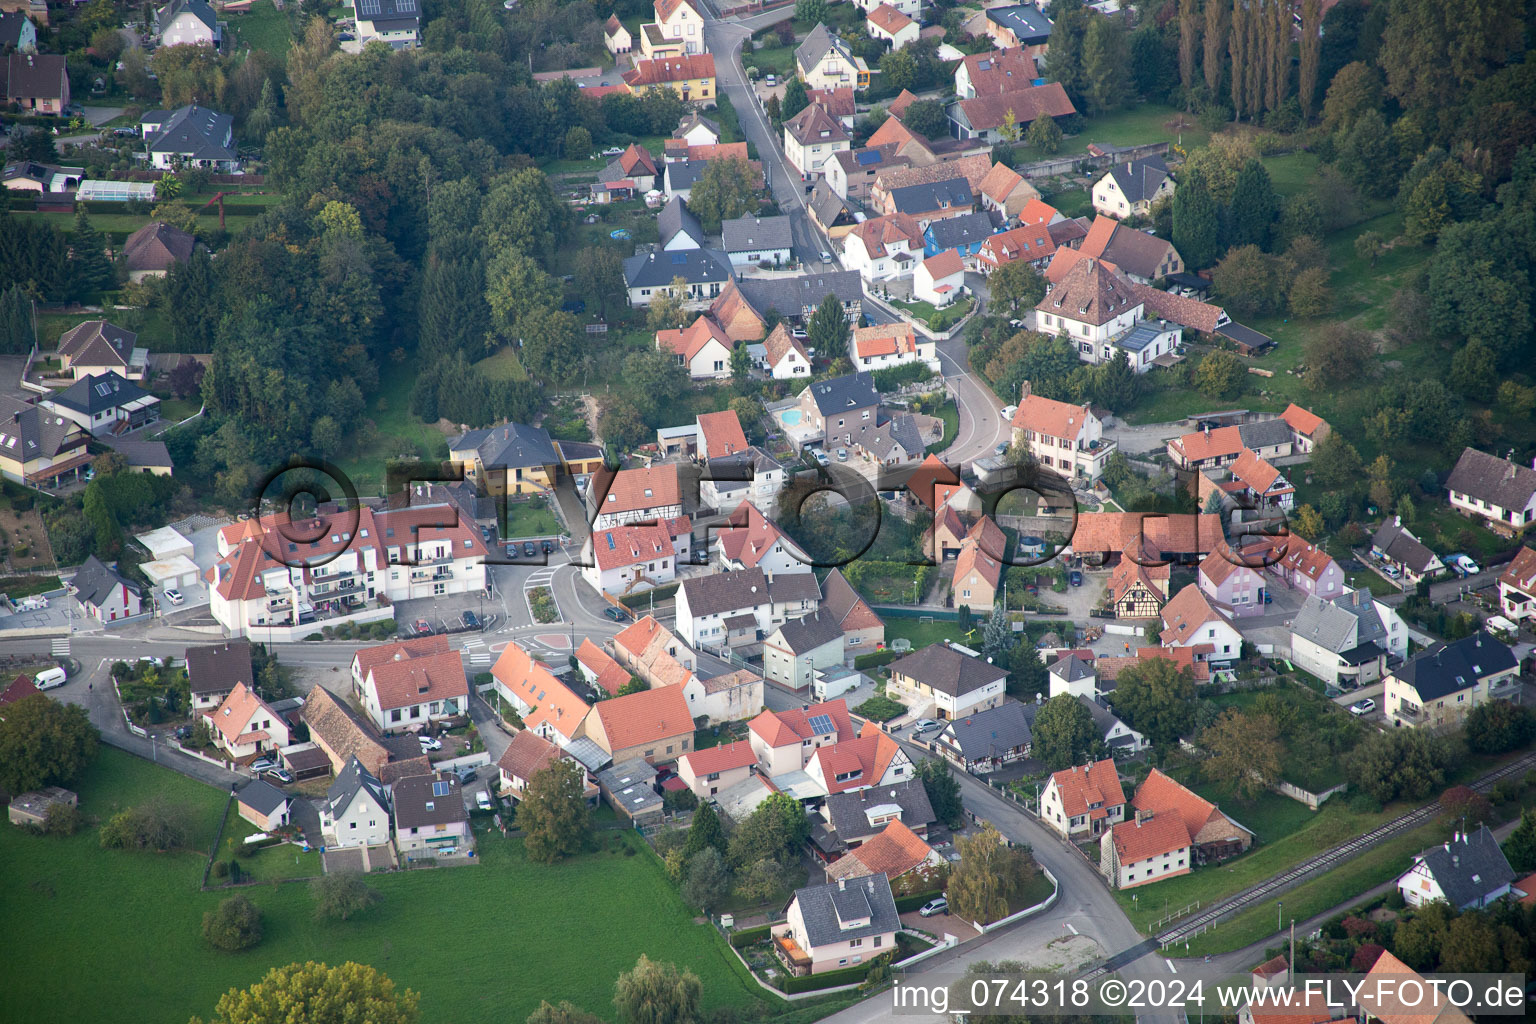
702 347
187 23
410 684
810 139
784 357
396 23
911 8
355 811
709 771
1147 849
1130 189
1085 800
729 697
18 32
105 594
797 650
889 25
626 559
825 61
837 925
939 279
638 495
884 247
1063 437
1517 587
1348 638
1439 686
954 680
749 540
245 724
681 20
1468 872
190 137
751 240
616 37
1090 304
1190 619
754 476
785 740
883 346
734 609
1493 489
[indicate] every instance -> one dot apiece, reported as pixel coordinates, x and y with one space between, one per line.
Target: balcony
280 604
1409 713
796 959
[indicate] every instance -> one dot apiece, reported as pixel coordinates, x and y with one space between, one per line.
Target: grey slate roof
1104 719
1493 479
749 234
97 343
1403 547
992 732
1447 668
193 132
827 908
100 392
1026 21
1342 624
692 121
261 796
33 76
809 632
11 23
947 670
510 446
840 394
898 432
354 778
95 582
416 803
1468 868
30 431
216 668
845 812
630 784
696 266
966 229
683 174
790 296
1071 668
676 217
197 8
1140 179
828 206
724 592
1264 433
820 39
932 195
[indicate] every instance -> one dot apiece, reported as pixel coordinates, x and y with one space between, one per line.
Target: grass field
951 417
463 938
400 433
530 519
503 365
1146 123
118 226
922 633
264 28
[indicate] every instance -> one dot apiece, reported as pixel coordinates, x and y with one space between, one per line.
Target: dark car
529 549
615 613
1075 578
471 620
548 546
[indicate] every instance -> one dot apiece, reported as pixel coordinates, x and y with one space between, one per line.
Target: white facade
187 29
709 627
363 822
814 156
683 23
798 671
1060 321
740 700
911 8
659 569
925 287
899 259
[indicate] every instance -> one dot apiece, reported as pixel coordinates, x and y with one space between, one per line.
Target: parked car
924 724
471 620
261 764
615 613
465 773
820 456
1269 598
842 455
529 549
770 80
1462 565
48 678
613 151
280 774
1391 570
1001 449
548 545
1075 578
183 732
1360 708
173 595
423 626
429 743
940 905
483 800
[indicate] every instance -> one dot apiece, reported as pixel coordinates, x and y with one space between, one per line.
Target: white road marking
1071 929
1172 968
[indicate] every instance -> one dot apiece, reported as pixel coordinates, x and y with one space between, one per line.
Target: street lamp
1279 919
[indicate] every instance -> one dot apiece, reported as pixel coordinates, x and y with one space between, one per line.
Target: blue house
964 233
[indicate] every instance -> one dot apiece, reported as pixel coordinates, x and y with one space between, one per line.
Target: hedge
876 658
747 936
827 979
644 598
904 904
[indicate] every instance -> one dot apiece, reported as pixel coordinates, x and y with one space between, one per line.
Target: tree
90 271
264 117
1064 61
554 813
1334 460
156 825
708 882
775 830
565 1013
234 926
1464 803
1196 222
44 743
1064 733
1114 384
1520 847
1016 283
1189 34
1355 89
1243 99
658 993
341 895
1307 523
516 286
1369 246
898 70
552 343
1367 155
926 118
1404 764
764 881
1044 135
1432 53
621 425
315 992
795 99
725 190
989 875
600 278
1219 375
828 330
1156 697
1106 63
1310 295
635 685
1249 281
1311 52
1474 370
1497 726
578 143
1245 752
1217 24
812 12
1254 208
942 789
996 634
666 309
705 832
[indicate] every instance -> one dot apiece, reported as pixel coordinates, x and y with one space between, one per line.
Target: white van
49 678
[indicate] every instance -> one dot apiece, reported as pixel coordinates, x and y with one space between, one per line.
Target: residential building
154 249
632 171
894 441
893 852
870 759
1005 192
1238 588
214 670
796 651
245 725
931 200
884 247
548 707
410 684
939 279
964 234
883 346
1073 675
730 697
350 560
1102 538
863 630
984 117
979 567
1063 437
630 558
953 679
598 668
712 770
1118 738
785 741
749 540
430 817
840 407
190 137
514 458
1394 544
857 816
752 240
639 495
1031 243
1094 306
852 173
655 725
104 405
1442 683
1143 257
911 8
889 25
735 609
1210 449
1307 428
1248 482
987 740
1495 490
751 475
704 272
355 811
823 61
396 23
341 734
1300 565
798 296
993 72
17 33
262 804
736 315
784 357
104 594
1391 975
31 176
1350 638
677 227
1517 587
187 23
1146 849
38 82
1021 26
681 20
811 138
1190 618
1137 591
1083 801
1212 835
1129 189
837 925
702 347
97 347
691 76
697 130
1468 872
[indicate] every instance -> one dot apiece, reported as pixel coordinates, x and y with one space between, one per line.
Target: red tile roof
885 339
747 535
1186 613
1129 571
1000 182
554 704
721 759
649 716
878 233
1117 532
666 8
1029 242
1217 567
20 688
932 482
632 544
1091 292
1191 313
607 673
527 755
1210 444
722 434
781 343
1032 101
690 341
635 490
1048 416
1160 794
1391 1010
782 727
888 19
945 264
837 102
670 69
1527 885
1084 785
402 676
1138 840
233 716
1303 421
894 851
1521 572
999 71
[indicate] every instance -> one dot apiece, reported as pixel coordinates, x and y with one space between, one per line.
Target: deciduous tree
725 190
1245 752
1017 284
1064 733
989 875
1044 135
341 895
1520 847
565 1013
44 743
1214 58
1311 52
234 926
941 788
776 829
1310 295
1497 726
658 993
554 813
926 118
708 881
1219 375
317 992
1156 697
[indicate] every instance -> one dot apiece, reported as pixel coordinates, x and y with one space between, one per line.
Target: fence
1044 904
1068 164
213 850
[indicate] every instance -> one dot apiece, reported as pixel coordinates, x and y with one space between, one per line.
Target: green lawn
400 432
174 410
530 518
264 28
118 226
479 943
503 365
951 417
1149 122
922 633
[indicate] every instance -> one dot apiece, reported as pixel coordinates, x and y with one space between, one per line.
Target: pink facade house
1302 566
1237 588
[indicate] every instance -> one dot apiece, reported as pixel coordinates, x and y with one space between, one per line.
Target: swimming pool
790 417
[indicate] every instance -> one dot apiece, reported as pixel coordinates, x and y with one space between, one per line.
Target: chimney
842 885
1143 815
1397 521
1207 430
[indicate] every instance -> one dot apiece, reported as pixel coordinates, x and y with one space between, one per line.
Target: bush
880 709
61 820
154 826
220 869
828 979
234 926
875 659
747 936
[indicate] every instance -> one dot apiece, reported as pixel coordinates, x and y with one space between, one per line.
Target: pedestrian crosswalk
481 657
60 647
475 642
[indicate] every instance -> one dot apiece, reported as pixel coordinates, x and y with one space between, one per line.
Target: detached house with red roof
1097 307
548 707
939 279
893 852
1517 587
1148 848
889 25
655 725
245 725
1213 836
870 759
883 346
1191 619
1083 801
713 770
1065 438
630 558
702 347
1307 428
410 684
599 669
749 540
785 740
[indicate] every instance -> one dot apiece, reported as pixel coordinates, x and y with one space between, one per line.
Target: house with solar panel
105 404
38 447
396 23
430 817
190 137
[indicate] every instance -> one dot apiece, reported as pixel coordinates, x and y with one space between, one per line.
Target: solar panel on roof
679 258
405 6
368 8
822 724
865 159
